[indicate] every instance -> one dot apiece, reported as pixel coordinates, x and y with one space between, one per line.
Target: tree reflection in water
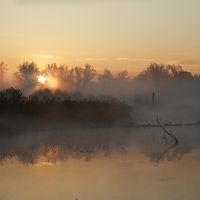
88 143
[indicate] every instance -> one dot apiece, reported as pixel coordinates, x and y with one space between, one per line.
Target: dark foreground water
96 164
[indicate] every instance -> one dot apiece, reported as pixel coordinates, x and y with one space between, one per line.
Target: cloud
135 59
42 56
96 59
189 62
45 56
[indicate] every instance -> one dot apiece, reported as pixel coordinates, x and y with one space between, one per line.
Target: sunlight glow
42 79
52 82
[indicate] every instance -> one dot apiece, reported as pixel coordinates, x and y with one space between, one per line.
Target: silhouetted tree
106 77
154 72
184 75
12 95
122 76
56 71
63 75
83 76
177 73
78 76
89 74
174 70
27 75
3 69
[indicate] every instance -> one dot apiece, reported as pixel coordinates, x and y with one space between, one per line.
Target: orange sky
111 34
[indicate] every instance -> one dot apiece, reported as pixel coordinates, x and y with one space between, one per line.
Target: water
82 164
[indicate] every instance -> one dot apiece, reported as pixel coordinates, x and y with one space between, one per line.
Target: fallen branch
172 146
170 134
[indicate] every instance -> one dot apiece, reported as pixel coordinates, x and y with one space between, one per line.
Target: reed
23 112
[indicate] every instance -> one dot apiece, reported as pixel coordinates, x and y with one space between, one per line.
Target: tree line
78 78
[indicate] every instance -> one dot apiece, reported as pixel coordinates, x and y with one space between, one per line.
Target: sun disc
42 79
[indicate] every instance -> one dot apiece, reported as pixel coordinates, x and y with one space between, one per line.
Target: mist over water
100 163
87 144
113 138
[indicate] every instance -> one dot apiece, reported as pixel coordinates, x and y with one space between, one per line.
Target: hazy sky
111 34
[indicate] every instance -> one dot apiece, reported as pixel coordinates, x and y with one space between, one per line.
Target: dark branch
170 134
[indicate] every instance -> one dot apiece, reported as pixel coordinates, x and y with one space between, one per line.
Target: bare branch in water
170 134
172 146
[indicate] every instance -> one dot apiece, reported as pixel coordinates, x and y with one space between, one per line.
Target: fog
176 92
110 131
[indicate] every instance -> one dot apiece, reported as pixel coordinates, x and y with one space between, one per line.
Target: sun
42 79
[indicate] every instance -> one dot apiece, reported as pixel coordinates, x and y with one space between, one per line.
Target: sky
113 34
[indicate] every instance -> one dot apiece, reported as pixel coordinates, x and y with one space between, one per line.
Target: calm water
96 164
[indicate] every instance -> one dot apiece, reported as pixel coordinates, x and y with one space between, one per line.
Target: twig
170 134
172 146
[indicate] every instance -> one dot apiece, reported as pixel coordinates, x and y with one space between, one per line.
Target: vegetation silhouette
82 77
159 72
27 75
83 87
170 83
3 69
44 108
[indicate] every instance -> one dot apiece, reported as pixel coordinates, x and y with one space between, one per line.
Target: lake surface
115 163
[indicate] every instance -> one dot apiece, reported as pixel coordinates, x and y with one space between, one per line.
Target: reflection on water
101 164
61 145
88 143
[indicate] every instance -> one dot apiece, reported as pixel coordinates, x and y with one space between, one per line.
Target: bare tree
160 72
154 72
78 76
122 76
83 76
27 75
53 70
106 77
3 69
89 74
